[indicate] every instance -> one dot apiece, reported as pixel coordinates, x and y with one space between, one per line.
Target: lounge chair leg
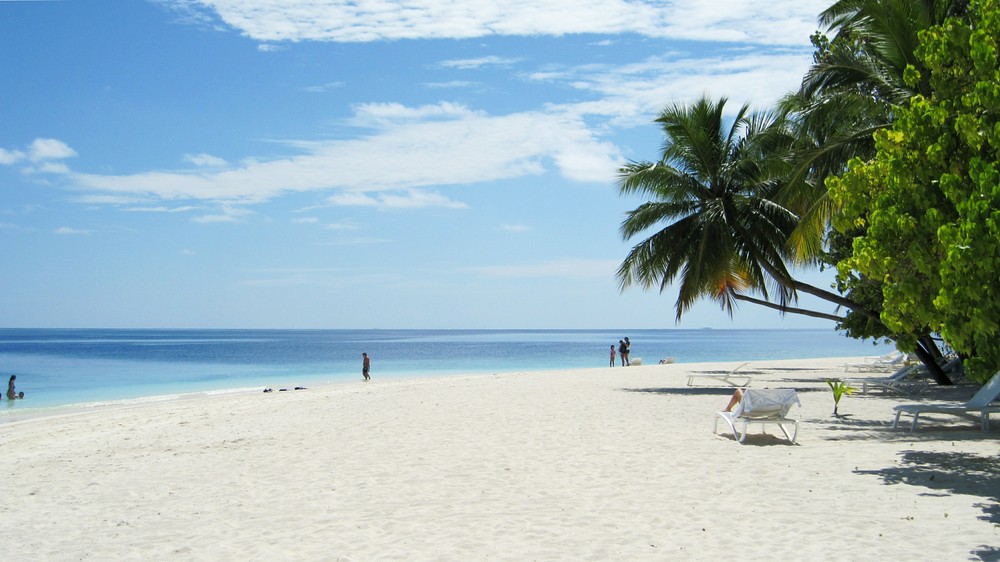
913 426
895 423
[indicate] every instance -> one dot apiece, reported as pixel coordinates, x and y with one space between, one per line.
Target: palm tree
712 191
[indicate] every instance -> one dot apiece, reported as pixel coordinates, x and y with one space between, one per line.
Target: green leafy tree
853 89
929 202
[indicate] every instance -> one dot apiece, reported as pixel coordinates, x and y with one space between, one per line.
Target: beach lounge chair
761 406
886 362
981 403
911 379
727 379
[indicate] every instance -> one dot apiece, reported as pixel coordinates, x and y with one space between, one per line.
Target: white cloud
406 199
385 114
48 168
8 157
632 94
415 199
49 149
759 21
41 151
205 160
463 147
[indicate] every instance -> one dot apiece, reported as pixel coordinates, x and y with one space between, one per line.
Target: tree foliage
929 202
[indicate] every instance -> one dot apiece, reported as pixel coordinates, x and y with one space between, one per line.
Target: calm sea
56 368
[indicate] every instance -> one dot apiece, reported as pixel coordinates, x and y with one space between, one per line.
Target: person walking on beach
366 366
628 351
612 355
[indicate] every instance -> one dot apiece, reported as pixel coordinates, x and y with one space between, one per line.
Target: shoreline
580 464
21 412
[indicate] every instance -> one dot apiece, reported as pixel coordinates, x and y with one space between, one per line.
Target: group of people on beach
624 346
11 393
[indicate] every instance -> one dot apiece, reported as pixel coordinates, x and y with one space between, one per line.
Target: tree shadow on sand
952 473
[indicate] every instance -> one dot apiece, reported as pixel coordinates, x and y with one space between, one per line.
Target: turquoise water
61 367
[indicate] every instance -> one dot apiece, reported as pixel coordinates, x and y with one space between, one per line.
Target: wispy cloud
161 209
228 214
759 21
469 64
405 199
321 88
452 84
41 151
205 160
345 225
67 231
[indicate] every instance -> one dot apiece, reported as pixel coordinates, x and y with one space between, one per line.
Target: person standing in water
11 394
366 366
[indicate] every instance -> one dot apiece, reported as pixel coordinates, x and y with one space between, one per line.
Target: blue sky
362 164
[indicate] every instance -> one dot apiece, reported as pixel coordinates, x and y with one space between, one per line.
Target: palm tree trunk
808 289
788 309
928 353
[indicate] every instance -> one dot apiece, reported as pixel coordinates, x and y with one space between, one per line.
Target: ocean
58 368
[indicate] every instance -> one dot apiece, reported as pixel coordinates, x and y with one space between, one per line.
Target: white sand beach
593 464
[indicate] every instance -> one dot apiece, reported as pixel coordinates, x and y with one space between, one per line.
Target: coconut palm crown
710 196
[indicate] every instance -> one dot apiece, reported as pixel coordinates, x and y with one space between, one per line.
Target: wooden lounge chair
761 406
725 379
981 403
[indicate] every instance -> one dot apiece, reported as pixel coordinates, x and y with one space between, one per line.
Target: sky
356 163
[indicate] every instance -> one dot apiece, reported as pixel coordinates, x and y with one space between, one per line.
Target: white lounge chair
911 379
761 406
727 379
887 362
980 403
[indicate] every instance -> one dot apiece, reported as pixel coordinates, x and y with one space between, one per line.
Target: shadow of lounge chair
724 379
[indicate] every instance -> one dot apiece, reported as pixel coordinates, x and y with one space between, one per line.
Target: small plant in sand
839 389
